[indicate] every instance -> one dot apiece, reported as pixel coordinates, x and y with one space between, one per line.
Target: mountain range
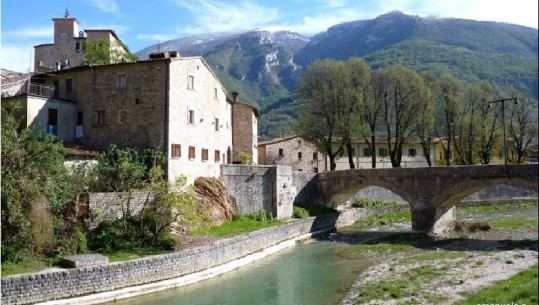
264 64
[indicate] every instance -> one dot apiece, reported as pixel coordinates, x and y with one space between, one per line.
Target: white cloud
17 57
157 37
37 32
219 16
107 6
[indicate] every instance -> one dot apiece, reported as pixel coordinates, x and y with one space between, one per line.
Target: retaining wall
108 206
67 283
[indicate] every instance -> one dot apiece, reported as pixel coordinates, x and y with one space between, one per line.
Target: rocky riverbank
443 270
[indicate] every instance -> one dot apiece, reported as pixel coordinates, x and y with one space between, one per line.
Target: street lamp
503 100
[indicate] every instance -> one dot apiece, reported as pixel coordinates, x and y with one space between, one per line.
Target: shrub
300 212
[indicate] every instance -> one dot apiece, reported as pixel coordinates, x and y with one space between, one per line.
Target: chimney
235 95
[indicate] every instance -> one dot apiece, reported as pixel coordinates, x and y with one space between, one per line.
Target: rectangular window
56 89
191 117
204 154
315 156
215 93
69 85
216 124
79 118
281 152
191 82
176 150
412 152
122 116
192 154
101 118
353 152
382 152
121 82
299 155
366 152
52 121
217 156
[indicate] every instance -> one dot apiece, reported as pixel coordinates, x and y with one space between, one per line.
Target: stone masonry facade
292 151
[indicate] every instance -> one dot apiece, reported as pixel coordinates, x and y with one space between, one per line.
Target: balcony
37 89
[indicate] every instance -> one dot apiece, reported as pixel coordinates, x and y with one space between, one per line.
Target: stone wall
68 283
108 206
271 188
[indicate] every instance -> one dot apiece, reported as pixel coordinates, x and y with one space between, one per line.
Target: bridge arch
451 196
432 192
342 196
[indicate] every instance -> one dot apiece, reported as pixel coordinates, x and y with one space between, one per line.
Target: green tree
488 120
173 204
101 51
447 90
406 95
318 112
36 192
357 78
522 126
371 112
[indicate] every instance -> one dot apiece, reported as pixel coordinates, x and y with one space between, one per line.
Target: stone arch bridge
432 192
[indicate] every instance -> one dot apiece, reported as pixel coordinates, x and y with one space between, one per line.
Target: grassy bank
519 289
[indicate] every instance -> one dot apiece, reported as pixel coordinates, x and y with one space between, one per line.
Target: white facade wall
207 101
362 161
37 112
254 149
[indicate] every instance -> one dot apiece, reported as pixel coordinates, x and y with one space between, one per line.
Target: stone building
293 151
244 131
412 156
171 103
68 48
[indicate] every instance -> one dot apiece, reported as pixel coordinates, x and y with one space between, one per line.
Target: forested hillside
264 66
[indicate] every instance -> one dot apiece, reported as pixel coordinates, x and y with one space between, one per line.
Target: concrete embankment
165 271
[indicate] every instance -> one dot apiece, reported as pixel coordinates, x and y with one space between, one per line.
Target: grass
497 207
409 286
238 226
431 256
27 266
386 218
375 203
134 254
360 251
520 289
515 223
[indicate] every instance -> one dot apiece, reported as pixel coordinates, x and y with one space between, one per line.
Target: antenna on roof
66 13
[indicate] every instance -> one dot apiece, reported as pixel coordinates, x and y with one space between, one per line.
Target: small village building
175 104
69 46
412 156
167 102
244 131
293 151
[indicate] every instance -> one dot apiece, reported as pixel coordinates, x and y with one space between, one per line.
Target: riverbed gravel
471 264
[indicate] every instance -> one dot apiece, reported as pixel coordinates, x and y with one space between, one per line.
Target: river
312 273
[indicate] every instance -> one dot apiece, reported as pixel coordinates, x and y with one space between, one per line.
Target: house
293 151
244 131
69 46
171 103
412 156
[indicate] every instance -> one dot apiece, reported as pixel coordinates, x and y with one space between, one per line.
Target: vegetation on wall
101 51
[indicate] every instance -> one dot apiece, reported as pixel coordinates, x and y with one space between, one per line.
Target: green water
312 274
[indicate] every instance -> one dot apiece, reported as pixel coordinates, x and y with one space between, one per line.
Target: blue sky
140 23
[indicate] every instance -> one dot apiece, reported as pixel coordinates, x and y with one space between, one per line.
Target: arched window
77 46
